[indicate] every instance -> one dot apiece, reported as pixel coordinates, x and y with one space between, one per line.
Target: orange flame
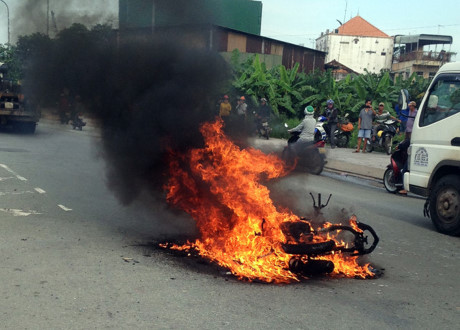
238 223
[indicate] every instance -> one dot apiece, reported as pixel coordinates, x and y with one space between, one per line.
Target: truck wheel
445 205
31 128
27 128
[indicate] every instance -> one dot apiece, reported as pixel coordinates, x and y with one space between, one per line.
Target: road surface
74 258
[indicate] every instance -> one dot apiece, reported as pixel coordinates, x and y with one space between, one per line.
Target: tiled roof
339 67
358 26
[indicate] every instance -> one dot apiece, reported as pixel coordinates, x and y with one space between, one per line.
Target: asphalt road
72 257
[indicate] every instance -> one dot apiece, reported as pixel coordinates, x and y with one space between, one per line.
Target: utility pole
8 14
54 23
48 18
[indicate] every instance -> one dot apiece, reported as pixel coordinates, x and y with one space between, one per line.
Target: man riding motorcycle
380 118
262 116
331 114
306 127
303 147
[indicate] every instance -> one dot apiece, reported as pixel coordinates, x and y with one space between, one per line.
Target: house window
383 53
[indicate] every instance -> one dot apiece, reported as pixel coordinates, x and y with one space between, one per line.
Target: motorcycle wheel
288 157
310 248
389 181
316 163
388 144
369 147
342 141
318 136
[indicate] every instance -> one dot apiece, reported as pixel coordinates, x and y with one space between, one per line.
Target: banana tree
341 92
378 88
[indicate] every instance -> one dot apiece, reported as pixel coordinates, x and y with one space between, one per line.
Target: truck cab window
443 101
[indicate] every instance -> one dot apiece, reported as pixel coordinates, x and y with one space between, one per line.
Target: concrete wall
426 69
358 53
270 60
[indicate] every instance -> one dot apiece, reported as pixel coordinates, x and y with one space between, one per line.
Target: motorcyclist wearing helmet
307 127
262 115
331 114
264 109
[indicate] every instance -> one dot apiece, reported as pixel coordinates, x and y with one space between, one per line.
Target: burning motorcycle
393 176
306 252
313 252
310 157
383 136
241 229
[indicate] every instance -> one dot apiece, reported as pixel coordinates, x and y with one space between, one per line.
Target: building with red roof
358 45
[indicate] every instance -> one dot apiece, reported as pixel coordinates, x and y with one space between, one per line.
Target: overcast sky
300 21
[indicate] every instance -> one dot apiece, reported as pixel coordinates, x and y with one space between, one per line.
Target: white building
358 45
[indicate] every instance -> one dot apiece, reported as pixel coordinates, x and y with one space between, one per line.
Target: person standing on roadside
242 107
225 107
366 117
331 113
410 119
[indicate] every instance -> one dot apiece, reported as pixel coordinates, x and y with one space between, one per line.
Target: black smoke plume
32 16
148 95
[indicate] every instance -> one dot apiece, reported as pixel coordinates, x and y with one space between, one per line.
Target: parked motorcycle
320 129
309 157
342 133
383 136
344 130
77 122
263 128
393 177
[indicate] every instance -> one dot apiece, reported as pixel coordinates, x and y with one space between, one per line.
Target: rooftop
423 39
358 26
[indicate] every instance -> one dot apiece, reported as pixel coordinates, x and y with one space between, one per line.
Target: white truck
434 152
